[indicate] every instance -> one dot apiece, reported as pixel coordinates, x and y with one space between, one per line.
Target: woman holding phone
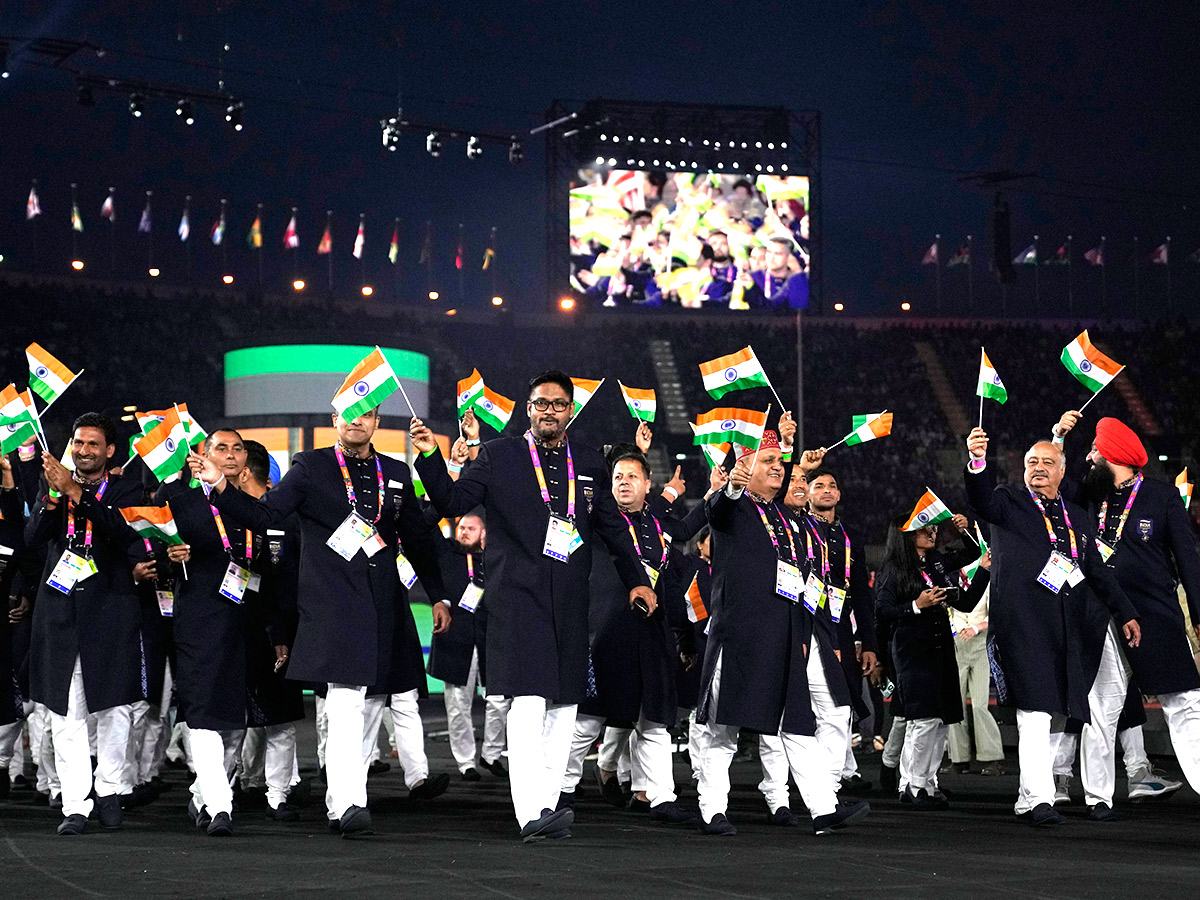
914 586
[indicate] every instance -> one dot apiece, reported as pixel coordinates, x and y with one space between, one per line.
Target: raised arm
449 497
991 505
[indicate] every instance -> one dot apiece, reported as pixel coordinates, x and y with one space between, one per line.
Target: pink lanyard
771 532
541 477
471 567
1137 483
87 525
225 537
1050 527
814 530
350 496
637 547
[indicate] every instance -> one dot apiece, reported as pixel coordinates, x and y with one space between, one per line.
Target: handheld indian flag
989 384
1090 367
696 611
370 383
494 409
928 511
734 372
867 428
470 389
972 569
146 420
642 405
153 522
1185 489
584 389
48 378
17 422
164 448
714 453
729 424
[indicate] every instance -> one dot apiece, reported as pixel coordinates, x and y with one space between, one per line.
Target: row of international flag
1032 256
254 236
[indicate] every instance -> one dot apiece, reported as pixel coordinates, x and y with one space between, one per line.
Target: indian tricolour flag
17 421
153 522
696 610
740 426
164 448
494 409
370 383
1092 368
868 427
972 569
989 384
733 373
642 404
714 453
470 389
928 511
1184 487
47 376
584 389
148 419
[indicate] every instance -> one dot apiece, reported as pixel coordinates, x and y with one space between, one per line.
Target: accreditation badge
65 572
404 568
1106 550
814 593
472 596
787 581
651 573
837 602
560 534
166 603
349 536
235 582
1057 572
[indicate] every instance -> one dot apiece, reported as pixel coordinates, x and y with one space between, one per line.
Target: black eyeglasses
541 404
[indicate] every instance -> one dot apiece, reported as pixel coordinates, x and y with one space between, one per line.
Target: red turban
1118 444
770 441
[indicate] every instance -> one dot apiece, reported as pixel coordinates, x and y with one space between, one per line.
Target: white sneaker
1062 790
1150 785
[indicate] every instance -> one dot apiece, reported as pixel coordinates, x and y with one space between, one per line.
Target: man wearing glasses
545 501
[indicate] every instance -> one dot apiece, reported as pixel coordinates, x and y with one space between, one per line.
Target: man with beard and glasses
1146 538
1052 637
86 657
545 501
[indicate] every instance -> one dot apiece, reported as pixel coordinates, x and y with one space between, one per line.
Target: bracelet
453 467
218 481
474 443
667 489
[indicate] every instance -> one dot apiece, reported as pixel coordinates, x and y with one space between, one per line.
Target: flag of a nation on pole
642 404
584 389
17 422
733 373
740 426
494 409
928 511
470 389
164 448
990 385
1092 368
370 383
868 427
1184 487
48 378
153 522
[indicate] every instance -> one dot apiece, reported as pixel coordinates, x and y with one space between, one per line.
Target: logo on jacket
589 492
1145 528
276 548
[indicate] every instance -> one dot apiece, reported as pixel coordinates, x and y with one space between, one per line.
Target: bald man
1054 605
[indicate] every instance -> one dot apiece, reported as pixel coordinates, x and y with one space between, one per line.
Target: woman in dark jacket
913 588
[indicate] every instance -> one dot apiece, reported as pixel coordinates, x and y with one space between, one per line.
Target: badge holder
1106 550
404 568
471 597
837 602
1059 570
814 593
560 534
235 582
66 572
651 573
166 603
787 581
350 536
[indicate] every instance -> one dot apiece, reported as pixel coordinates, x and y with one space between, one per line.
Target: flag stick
981 356
404 394
847 437
754 461
41 432
782 406
1093 397
67 385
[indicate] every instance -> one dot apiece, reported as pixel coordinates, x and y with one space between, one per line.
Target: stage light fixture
233 115
631 139
516 153
770 168
599 160
433 144
433 295
566 304
906 306
77 265
391 133
758 145
604 137
641 140
783 146
84 96
656 140
667 142
155 271
228 279
474 148
838 307
758 167
367 290
783 168
641 163
737 165
184 110
770 145
706 142
298 284
720 165
656 162
497 301
137 105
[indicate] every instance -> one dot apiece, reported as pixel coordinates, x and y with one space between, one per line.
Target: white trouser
973 679
1098 742
1182 711
773 759
539 742
833 721
138 712
461 726
72 749
495 719
280 765
1035 757
214 756
1063 746
847 763
893 747
809 762
410 737
583 739
614 755
149 733
694 752
348 745
252 768
40 728
1133 750
924 745
322 721
652 772
9 736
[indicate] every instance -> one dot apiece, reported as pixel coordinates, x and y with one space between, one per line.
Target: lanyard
1137 483
637 547
541 477
771 531
928 580
87 527
814 529
1050 527
225 537
471 567
341 459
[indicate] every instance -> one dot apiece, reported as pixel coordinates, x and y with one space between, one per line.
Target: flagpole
462 262
970 274
1037 279
40 430
982 354
396 261
33 190
1102 387
224 246
937 266
403 393
1103 277
1070 281
149 233
754 461
112 232
187 243
782 405
74 232
329 231
295 251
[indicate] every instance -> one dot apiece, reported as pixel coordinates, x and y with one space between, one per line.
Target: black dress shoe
638 806
108 811
200 817
565 801
855 784
379 767
72 825
1045 816
889 778
496 768
355 822
299 794
221 825
140 795
433 786
611 791
845 815
1102 812
783 817
283 813
671 813
549 825
55 801
718 826
472 774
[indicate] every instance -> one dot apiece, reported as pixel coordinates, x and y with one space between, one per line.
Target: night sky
1095 102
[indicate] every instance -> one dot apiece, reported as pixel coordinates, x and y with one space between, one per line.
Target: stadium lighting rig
436 135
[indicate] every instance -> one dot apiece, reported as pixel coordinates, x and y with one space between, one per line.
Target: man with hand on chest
364 542
86 656
545 501
1144 534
